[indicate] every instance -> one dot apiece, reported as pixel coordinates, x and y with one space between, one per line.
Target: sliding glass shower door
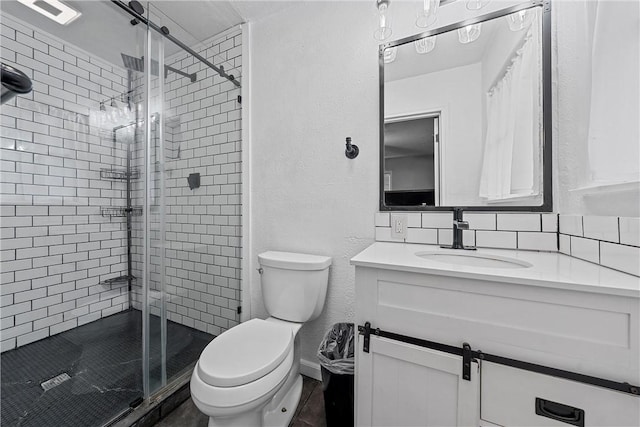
190 235
119 209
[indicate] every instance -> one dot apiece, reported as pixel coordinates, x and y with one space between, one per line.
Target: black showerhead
137 64
134 64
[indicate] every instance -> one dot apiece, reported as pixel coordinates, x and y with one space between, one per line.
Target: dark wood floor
309 413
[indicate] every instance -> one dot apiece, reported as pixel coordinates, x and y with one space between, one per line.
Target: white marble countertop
549 269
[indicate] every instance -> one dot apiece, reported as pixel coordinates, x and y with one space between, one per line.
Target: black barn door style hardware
468 355
466 361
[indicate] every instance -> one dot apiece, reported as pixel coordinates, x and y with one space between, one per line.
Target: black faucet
458 226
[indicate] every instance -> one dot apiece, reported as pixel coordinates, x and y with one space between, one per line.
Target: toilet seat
245 353
214 400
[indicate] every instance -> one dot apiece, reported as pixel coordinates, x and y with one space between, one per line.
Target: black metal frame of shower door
164 31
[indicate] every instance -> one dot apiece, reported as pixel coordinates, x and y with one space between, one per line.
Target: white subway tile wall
630 231
610 241
203 225
519 222
497 239
550 222
601 228
530 231
620 257
586 249
595 239
565 244
422 235
57 249
382 219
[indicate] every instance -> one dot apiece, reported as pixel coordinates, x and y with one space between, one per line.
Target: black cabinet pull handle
560 412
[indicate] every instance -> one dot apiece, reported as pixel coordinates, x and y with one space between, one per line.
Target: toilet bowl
250 374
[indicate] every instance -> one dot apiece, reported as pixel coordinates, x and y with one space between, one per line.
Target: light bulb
425 45
390 55
383 32
469 34
429 13
476 4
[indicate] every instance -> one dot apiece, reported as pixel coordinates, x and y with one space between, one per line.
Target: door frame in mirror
547 157
438 154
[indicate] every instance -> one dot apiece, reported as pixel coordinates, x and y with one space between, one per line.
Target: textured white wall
314 77
315 81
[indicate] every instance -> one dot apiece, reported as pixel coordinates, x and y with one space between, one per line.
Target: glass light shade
428 15
476 4
390 55
519 20
469 34
383 32
425 45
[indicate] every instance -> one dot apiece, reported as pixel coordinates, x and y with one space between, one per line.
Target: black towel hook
352 150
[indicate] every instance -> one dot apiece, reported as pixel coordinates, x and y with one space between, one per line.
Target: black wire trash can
336 354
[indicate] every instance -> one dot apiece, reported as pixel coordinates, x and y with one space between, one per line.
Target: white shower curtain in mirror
512 141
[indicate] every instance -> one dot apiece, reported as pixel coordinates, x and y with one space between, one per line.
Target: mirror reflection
463 116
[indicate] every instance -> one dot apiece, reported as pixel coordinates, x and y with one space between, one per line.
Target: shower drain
55 381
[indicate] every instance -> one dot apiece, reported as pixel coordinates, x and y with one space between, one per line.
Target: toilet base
248 419
280 411
277 413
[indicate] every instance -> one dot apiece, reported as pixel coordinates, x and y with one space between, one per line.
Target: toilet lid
244 353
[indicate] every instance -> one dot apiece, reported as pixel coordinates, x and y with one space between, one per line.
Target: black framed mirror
465 115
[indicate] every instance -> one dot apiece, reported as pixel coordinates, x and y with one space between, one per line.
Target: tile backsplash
610 241
530 231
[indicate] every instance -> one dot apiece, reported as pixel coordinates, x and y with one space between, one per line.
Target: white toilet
250 374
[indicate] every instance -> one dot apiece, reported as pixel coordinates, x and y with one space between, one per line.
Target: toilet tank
294 286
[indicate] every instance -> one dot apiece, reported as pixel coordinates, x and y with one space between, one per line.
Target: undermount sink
474 259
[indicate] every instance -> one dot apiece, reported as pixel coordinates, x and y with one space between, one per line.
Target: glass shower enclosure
120 210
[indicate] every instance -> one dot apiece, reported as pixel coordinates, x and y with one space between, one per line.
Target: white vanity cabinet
560 313
401 384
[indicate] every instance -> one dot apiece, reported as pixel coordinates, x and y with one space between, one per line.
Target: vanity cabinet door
514 397
399 384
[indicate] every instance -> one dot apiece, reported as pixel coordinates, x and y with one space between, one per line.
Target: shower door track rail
164 32
468 355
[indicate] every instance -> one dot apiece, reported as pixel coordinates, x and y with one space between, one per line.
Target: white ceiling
448 53
104 29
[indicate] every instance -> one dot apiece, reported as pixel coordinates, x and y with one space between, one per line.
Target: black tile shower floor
103 359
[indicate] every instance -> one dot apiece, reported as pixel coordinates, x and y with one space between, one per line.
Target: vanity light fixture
390 55
469 34
53 9
425 45
519 20
476 4
383 32
428 15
